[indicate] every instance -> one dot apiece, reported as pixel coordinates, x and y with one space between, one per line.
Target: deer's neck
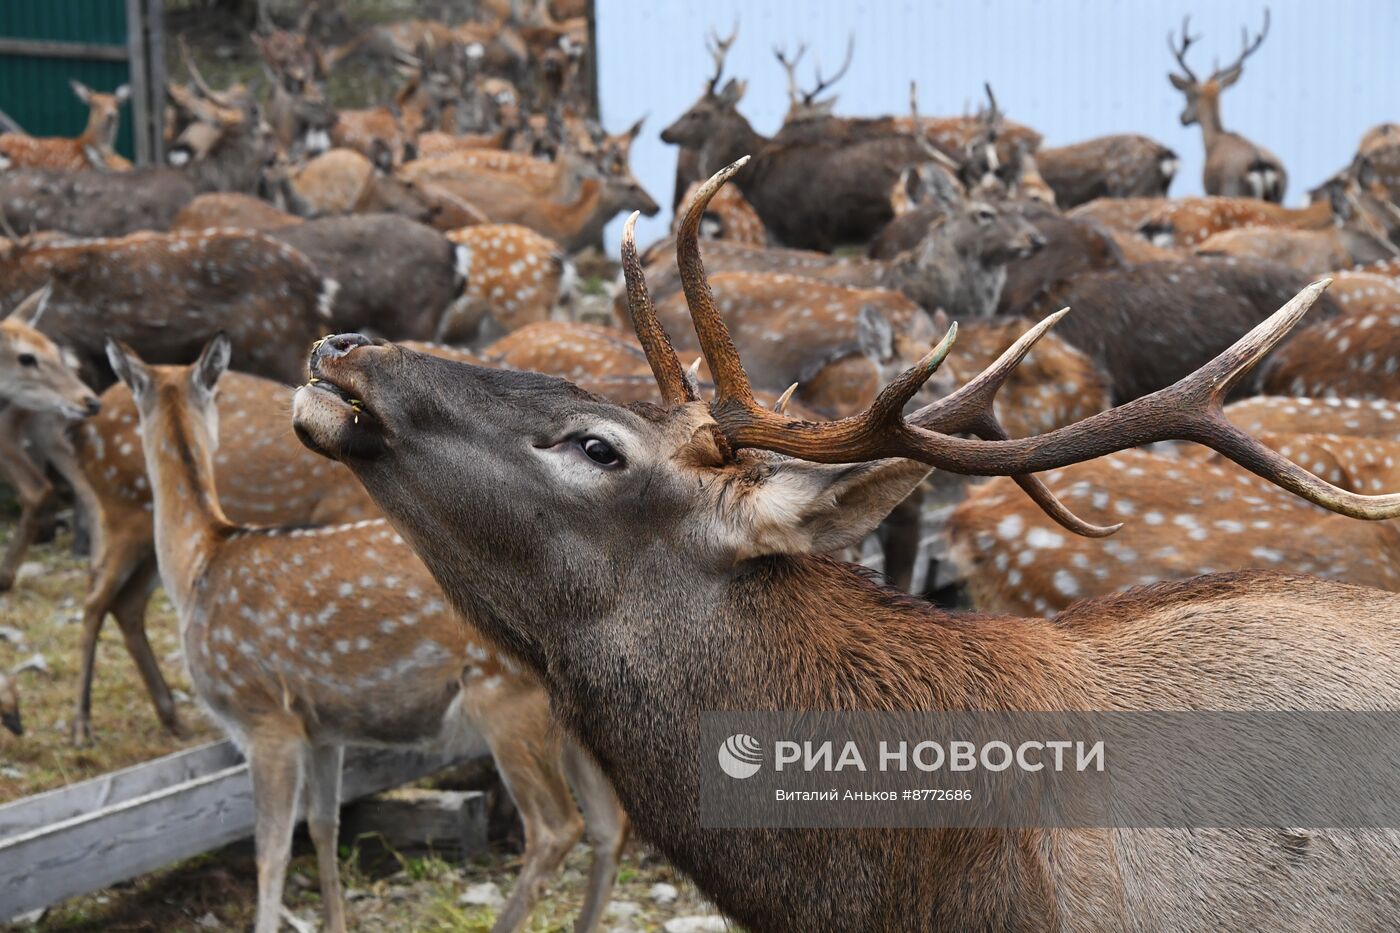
738 139
99 133
1208 115
190 526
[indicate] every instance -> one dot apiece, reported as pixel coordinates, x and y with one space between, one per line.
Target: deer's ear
1178 82
122 94
80 90
212 363
814 508
129 367
31 309
733 92
1227 78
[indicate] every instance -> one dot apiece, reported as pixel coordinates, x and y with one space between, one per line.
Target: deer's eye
600 452
28 359
985 217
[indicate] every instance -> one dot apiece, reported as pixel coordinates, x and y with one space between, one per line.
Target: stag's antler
1188 410
790 66
719 50
1186 41
1247 48
933 152
809 97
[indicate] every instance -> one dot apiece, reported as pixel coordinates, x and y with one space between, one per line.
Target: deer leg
605 825
323 821
33 490
527 755
112 571
275 762
130 610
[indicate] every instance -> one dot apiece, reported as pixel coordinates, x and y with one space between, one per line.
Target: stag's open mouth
330 418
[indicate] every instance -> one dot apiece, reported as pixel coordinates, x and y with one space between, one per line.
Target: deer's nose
338 345
92 404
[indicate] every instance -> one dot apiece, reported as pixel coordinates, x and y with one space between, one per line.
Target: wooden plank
22 816
43 48
91 850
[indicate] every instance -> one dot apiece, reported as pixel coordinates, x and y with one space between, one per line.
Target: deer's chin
329 425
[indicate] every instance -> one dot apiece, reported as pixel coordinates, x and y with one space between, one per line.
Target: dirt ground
387 891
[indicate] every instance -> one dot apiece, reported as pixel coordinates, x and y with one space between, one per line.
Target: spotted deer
230 209
1367 344
1286 414
1122 214
90 149
725 504
262 477
1122 166
168 293
577 352
1360 291
1235 167
36 380
1184 516
287 629
514 277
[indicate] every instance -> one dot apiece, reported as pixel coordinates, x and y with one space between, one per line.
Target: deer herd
569 527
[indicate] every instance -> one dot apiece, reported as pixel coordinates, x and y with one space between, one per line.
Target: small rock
486 894
698 924
208 921
29 570
180 696
34 916
11 772
296 923
623 909
663 893
35 662
357 894
301 882
11 634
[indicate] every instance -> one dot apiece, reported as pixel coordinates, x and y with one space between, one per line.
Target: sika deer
261 477
650 563
1186 516
35 379
1149 325
91 149
514 276
1368 341
286 629
170 293
1188 222
1235 167
1121 166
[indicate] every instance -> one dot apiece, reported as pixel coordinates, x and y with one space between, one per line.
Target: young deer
91 149
1235 167
650 563
35 379
261 475
286 629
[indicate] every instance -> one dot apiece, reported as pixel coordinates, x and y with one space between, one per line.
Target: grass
46 606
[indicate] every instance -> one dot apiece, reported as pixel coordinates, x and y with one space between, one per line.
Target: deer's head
1208 91
104 111
717 107
176 402
35 373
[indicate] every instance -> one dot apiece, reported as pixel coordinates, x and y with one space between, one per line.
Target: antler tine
794 93
1188 410
1186 40
665 366
824 83
970 410
719 50
731 382
933 152
1247 48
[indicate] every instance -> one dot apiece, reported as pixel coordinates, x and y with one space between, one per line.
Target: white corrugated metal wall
1070 68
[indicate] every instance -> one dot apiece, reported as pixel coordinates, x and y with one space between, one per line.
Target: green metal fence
102 43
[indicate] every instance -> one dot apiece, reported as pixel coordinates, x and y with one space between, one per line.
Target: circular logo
740 756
